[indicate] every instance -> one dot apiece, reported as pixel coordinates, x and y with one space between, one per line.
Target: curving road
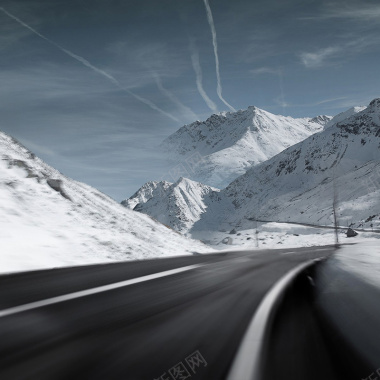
176 318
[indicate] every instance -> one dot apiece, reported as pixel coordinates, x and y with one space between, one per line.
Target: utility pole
257 236
335 205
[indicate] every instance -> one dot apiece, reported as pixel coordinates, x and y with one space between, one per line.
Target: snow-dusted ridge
231 142
178 205
50 220
147 191
298 184
344 115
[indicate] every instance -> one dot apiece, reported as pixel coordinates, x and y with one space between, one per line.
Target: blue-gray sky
104 81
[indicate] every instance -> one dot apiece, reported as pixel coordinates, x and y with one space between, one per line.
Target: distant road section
314 225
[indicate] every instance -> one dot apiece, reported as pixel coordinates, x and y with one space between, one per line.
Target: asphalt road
191 321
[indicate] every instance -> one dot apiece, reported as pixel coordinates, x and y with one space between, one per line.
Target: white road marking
248 360
88 292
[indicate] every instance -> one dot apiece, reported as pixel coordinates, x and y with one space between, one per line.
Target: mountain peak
321 119
227 144
147 191
254 109
183 180
177 206
374 105
363 118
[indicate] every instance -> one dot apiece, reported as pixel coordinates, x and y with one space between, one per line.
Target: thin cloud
199 77
337 53
261 45
38 148
86 63
331 100
264 70
282 103
320 57
185 109
215 44
360 12
353 101
280 100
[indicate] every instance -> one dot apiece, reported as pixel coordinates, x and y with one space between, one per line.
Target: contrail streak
198 73
173 98
91 66
214 42
282 93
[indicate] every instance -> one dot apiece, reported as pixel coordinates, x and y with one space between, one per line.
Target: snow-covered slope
321 119
218 150
344 115
178 205
149 190
298 184
50 220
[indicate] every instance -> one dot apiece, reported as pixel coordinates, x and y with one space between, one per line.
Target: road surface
184 318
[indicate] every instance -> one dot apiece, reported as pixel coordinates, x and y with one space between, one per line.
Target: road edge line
247 361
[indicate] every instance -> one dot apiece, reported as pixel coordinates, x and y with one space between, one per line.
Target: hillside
298 184
50 220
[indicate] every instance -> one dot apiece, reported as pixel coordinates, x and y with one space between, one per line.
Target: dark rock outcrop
56 184
351 233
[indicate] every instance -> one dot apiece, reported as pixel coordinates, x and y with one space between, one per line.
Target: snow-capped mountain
148 190
344 115
218 150
298 184
178 205
50 220
321 119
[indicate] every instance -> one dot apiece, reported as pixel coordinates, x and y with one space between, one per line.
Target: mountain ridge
178 205
297 184
231 142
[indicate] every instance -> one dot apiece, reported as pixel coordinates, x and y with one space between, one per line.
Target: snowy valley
289 169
